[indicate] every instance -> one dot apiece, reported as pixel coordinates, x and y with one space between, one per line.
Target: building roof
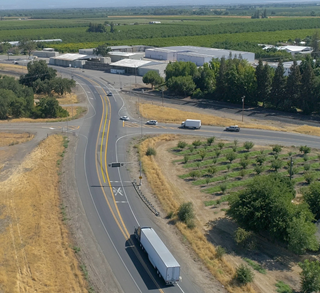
71 57
295 48
195 54
131 63
206 51
125 54
119 47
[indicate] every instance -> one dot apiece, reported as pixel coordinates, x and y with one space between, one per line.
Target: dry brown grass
65 99
14 67
36 252
220 269
171 115
7 139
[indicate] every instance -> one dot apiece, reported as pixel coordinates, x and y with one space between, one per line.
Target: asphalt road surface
110 202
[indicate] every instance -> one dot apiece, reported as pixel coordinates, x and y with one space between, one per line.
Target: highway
111 204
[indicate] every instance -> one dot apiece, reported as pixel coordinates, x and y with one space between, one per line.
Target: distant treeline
274 9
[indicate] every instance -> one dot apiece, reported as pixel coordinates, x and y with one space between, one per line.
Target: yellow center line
103 131
125 232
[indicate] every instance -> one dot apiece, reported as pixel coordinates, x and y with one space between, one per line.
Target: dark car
109 94
234 128
152 122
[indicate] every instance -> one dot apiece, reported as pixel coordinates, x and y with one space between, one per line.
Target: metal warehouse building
117 56
197 55
69 60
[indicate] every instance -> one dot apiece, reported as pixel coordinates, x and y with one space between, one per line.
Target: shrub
220 251
283 287
202 154
218 153
234 148
214 160
310 276
248 145
220 145
276 164
244 274
182 144
207 180
235 142
277 149
305 157
306 167
258 169
186 159
260 159
186 212
228 167
231 156
304 149
210 140
246 156
245 239
290 154
223 187
195 174
244 163
191 149
151 152
309 177
196 143
212 170
198 164
243 172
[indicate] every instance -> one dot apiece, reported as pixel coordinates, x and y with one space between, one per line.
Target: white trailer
191 123
159 255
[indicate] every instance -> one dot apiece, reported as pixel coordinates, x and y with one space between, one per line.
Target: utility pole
162 95
242 106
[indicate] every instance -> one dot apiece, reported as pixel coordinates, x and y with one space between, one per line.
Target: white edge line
85 170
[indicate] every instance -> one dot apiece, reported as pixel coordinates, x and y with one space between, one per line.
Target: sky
45 4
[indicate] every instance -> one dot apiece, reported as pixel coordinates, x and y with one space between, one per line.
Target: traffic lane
100 218
263 136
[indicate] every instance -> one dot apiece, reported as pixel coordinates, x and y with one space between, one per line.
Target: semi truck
191 123
159 255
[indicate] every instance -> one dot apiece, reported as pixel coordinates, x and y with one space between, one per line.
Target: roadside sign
140 177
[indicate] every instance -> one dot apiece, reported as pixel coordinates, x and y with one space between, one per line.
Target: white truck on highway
191 123
159 255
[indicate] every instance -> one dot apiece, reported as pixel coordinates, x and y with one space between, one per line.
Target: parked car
235 128
109 94
152 122
125 118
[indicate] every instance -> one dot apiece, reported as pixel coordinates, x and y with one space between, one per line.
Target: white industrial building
117 56
45 54
296 49
198 55
69 60
161 54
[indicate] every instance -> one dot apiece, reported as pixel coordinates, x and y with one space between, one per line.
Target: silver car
152 122
235 128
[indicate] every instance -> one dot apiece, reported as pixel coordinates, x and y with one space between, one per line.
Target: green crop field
216 175
173 30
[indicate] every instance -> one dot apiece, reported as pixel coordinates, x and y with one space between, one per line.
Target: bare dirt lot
37 254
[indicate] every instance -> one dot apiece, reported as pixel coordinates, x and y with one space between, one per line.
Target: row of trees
231 79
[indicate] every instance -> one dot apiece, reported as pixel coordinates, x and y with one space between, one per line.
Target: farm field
190 180
173 30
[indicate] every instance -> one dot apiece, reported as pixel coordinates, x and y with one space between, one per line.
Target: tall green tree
28 46
278 87
181 85
102 50
308 97
180 68
315 44
222 87
37 70
205 79
152 77
293 87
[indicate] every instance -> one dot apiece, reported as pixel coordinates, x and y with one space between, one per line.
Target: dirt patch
36 254
13 67
8 139
65 99
279 263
